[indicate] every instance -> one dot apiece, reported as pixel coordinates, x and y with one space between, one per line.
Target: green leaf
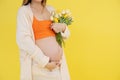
59 39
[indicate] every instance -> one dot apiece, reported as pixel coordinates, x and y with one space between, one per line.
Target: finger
49 69
54 64
55 29
57 63
51 26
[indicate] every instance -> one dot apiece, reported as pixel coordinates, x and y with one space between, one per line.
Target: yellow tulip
65 15
56 20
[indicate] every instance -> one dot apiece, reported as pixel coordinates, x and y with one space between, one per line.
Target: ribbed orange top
42 29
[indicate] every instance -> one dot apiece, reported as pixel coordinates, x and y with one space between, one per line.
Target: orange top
42 29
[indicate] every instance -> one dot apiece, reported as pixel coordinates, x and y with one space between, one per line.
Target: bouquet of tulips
63 16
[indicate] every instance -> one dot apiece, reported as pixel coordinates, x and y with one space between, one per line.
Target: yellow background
93 49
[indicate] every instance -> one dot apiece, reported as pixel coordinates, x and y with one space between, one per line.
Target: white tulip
56 15
53 13
60 14
63 11
51 18
67 11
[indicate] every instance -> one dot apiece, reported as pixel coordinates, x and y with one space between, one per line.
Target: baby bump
50 48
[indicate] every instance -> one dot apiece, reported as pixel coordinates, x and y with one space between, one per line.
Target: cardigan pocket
36 65
44 72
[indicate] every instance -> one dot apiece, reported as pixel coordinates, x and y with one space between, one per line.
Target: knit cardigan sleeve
64 34
25 41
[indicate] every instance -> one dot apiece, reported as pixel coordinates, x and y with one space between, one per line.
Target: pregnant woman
41 57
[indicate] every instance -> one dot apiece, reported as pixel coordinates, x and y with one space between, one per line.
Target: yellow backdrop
93 49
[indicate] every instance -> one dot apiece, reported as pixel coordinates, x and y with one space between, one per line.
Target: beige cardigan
29 51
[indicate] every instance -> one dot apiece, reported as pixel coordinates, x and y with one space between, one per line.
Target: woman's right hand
52 65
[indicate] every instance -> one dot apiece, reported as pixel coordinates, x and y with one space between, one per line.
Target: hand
58 27
52 65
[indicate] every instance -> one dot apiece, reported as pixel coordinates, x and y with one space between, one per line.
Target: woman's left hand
58 27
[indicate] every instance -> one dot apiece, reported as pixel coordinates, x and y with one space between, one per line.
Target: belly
50 48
